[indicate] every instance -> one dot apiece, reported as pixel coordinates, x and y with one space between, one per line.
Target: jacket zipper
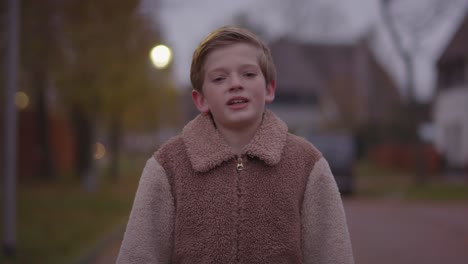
240 164
239 167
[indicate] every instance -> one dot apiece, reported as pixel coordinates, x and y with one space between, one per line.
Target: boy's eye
250 74
218 79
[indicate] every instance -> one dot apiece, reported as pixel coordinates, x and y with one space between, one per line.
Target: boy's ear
200 102
270 92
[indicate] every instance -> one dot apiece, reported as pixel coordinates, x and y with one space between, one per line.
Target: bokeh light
161 56
21 100
99 151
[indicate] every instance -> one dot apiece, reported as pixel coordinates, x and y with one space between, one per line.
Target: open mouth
237 100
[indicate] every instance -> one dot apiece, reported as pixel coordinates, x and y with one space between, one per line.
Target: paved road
393 232
411 232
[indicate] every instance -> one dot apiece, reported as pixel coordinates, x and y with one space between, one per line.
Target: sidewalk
108 254
106 250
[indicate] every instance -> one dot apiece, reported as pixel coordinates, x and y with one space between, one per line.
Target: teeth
237 101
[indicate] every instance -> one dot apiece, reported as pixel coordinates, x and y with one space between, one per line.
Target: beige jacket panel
325 236
149 234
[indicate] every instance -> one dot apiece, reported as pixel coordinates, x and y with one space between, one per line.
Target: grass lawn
439 192
377 182
58 221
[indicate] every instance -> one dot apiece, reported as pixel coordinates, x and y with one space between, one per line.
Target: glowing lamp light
161 56
21 100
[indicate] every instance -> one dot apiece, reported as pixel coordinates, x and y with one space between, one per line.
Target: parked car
339 150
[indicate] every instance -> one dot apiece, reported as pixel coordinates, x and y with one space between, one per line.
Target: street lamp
161 56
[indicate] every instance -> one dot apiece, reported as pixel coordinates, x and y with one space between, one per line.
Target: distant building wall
451 126
451 102
348 88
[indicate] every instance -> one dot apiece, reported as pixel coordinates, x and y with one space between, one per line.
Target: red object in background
29 153
403 156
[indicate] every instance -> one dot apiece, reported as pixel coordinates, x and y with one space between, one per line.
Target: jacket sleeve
148 237
325 236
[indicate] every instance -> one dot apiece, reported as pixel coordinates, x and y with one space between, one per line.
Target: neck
238 138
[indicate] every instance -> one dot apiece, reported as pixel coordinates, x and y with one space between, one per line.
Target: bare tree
408 24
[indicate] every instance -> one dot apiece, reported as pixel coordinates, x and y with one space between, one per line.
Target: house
298 89
331 87
450 110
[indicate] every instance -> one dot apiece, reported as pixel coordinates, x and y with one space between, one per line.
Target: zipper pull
240 165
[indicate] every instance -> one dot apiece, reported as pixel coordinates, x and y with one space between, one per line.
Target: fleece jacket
198 202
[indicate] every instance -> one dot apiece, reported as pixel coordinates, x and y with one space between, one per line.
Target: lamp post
11 82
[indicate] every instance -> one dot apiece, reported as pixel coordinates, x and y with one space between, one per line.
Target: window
452 74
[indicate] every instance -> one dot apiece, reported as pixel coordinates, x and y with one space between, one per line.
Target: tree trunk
415 118
413 113
114 149
84 142
46 158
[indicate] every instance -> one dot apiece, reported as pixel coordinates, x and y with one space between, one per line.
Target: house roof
331 59
294 69
457 46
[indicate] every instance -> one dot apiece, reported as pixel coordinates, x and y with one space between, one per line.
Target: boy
235 186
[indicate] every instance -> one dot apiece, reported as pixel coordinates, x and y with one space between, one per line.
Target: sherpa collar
207 148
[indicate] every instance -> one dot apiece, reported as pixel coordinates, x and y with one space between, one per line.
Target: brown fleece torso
225 215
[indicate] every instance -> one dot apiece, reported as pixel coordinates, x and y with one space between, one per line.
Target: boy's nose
236 83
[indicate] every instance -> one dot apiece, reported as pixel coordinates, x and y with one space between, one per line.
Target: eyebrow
248 65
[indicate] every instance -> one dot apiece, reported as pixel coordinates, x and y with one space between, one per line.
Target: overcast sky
186 22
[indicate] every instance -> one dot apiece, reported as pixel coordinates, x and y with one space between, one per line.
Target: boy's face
234 88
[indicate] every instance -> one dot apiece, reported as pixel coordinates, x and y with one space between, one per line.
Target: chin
244 120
